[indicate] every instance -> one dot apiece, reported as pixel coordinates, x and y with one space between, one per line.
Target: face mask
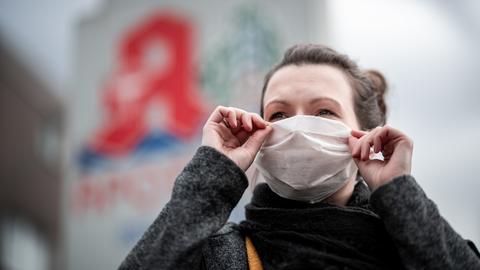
306 158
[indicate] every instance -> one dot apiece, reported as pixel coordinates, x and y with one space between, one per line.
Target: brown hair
369 86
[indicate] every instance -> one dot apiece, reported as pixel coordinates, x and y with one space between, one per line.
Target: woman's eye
325 112
278 116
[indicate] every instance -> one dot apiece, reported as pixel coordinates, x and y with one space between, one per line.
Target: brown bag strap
254 262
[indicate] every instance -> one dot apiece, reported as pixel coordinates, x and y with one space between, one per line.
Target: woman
378 218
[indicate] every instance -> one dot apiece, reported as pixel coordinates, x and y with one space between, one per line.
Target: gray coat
191 232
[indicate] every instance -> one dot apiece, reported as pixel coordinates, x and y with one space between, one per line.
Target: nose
299 111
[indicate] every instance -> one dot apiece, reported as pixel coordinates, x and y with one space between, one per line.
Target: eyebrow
284 102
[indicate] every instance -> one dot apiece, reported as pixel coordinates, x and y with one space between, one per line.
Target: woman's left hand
396 149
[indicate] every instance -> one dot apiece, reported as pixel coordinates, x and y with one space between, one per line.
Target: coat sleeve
423 238
203 196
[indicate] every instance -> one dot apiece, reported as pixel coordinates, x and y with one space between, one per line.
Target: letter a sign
154 68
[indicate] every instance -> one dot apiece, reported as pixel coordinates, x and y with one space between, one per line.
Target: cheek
350 119
349 115
354 124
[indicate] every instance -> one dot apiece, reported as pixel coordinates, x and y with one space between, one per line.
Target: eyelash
282 115
278 115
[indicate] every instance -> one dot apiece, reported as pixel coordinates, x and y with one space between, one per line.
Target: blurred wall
41 35
31 124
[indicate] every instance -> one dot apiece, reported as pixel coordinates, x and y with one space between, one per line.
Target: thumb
366 166
351 143
363 167
359 163
255 141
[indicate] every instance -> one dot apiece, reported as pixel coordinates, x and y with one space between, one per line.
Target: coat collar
263 196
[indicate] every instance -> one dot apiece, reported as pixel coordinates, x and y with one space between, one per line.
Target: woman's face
320 90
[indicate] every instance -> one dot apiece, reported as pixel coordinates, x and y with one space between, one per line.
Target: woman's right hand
235 133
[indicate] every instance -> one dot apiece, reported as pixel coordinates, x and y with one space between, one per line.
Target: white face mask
306 158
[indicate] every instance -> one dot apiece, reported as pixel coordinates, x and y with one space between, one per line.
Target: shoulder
228 228
225 249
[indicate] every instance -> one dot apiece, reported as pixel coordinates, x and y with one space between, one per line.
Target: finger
358 133
236 130
255 141
240 116
377 144
388 151
365 149
352 141
385 139
367 142
357 148
371 142
247 121
224 129
216 115
258 121
242 136
388 133
222 113
231 115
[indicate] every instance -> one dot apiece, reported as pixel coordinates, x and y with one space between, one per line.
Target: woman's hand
235 133
396 149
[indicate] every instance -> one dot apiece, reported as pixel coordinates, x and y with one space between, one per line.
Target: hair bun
380 87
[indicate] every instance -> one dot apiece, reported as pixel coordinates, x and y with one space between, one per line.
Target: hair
369 86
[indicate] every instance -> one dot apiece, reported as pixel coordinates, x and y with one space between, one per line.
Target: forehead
309 81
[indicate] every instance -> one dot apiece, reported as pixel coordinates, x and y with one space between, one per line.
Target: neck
342 196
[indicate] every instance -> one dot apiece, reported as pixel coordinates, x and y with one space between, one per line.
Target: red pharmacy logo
154 72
